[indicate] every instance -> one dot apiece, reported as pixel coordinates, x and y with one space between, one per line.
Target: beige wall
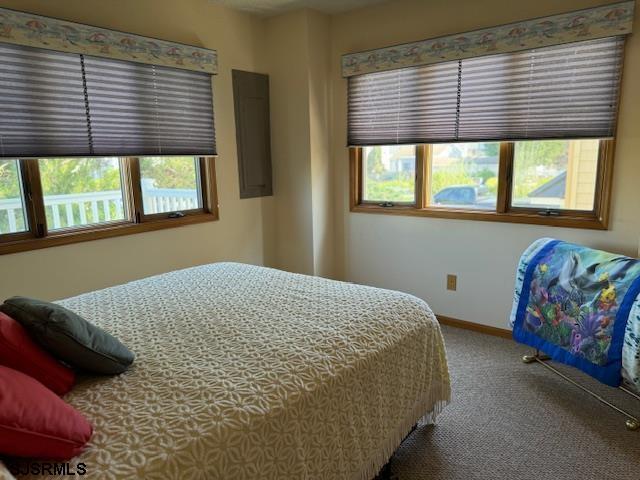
415 254
290 140
319 112
245 231
298 62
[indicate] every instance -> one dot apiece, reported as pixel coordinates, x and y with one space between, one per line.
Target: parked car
464 195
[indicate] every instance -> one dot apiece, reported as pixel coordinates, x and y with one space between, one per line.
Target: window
525 136
557 174
464 175
389 174
170 184
76 199
561 182
13 217
95 147
81 191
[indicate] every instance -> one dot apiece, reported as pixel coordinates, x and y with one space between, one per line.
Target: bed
245 372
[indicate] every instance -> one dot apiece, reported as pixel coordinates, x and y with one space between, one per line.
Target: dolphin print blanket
581 307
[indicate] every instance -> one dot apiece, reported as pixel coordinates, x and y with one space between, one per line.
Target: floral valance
31 30
599 22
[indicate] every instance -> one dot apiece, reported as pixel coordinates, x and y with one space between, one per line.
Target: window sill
54 239
576 221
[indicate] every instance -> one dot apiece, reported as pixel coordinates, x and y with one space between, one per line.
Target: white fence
11 215
64 211
158 200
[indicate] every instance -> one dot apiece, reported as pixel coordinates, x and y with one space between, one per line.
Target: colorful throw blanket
581 307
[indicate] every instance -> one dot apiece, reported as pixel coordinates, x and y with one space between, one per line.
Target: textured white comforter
245 372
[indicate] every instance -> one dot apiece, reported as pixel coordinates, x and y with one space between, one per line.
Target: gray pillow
69 337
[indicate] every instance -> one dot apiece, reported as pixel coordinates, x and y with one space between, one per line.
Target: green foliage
171 172
526 184
401 188
484 174
9 189
491 149
529 156
63 176
455 174
9 185
374 162
549 153
492 185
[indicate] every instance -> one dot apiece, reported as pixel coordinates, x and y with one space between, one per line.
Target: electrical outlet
452 282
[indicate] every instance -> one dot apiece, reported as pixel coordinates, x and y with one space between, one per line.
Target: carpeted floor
514 421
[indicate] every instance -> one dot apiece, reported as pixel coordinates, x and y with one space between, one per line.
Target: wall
415 254
289 92
245 231
319 114
298 59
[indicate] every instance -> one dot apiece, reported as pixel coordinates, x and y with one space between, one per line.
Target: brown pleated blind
140 109
564 91
61 104
42 104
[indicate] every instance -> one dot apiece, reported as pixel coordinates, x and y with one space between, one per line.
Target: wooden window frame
37 236
596 219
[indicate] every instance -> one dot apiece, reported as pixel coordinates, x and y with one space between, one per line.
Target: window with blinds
62 104
567 91
96 147
525 137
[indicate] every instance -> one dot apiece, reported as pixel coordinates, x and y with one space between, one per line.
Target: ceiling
275 7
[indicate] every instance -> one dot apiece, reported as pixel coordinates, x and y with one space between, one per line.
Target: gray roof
554 188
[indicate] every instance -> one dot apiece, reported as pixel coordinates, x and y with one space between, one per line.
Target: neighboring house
573 188
468 154
552 193
402 164
398 159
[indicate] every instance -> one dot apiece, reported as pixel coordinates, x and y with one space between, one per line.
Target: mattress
245 372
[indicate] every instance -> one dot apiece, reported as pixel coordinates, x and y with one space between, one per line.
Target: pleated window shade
42 106
565 91
59 104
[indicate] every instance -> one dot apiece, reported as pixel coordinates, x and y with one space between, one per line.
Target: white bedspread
5 474
245 372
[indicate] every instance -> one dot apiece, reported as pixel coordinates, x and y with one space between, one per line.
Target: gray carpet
514 421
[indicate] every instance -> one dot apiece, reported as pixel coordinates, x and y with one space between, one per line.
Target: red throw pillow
19 352
35 422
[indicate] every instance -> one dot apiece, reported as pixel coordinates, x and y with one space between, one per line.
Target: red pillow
35 422
19 352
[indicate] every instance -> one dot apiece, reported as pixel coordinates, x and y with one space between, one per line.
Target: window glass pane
12 206
170 184
81 191
556 174
465 175
389 173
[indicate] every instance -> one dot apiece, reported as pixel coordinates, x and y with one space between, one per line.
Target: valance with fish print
582 307
31 30
599 22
